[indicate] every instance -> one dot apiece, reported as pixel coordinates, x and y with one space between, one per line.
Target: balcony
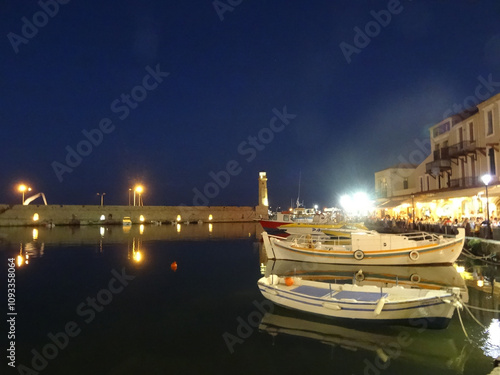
441 163
463 148
465 182
435 167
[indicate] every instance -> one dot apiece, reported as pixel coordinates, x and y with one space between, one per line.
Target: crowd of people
445 225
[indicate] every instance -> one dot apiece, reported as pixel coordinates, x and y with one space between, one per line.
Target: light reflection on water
491 346
168 319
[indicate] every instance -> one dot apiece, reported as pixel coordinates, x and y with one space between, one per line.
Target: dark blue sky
225 78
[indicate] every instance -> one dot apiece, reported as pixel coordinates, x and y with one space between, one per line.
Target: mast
298 195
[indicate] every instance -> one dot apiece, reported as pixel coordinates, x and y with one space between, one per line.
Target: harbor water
184 300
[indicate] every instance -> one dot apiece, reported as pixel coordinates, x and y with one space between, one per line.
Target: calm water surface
114 303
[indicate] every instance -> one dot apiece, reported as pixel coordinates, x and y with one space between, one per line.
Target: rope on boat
481 308
462 324
485 258
472 315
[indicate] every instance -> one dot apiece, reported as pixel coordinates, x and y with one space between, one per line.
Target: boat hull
445 252
430 312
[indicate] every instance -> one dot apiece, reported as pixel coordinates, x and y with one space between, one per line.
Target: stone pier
40 215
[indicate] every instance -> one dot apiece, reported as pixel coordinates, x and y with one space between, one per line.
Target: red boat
299 215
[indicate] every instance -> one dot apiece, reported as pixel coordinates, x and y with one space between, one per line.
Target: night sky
174 94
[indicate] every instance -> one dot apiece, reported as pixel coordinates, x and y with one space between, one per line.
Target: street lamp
102 198
486 180
413 210
129 190
138 189
22 188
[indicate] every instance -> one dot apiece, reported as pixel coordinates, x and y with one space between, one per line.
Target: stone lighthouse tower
262 208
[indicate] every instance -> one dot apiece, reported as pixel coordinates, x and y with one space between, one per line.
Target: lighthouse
263 199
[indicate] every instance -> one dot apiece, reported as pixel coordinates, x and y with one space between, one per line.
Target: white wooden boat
393 305
369 247
422 277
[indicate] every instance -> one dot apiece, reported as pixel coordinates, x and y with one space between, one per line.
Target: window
405 183
428 183
421 183
489 123
491 159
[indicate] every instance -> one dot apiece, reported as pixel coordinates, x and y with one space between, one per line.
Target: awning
390 203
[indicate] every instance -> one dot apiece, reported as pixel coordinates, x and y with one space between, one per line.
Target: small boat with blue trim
393 305
369 247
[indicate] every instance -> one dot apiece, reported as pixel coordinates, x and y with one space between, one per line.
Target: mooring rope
473 317
462 324
481 308
485 259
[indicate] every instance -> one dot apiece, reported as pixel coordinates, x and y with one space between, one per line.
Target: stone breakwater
39 215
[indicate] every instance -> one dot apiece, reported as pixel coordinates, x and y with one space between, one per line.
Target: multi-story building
448 183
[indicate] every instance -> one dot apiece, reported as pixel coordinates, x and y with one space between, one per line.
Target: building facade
463 148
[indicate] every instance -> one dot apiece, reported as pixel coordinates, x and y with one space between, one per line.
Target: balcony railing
462 148
442 153
465 182
437 166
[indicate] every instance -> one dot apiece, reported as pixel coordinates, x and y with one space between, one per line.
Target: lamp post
22 188
413 210
102 198
129 190
138 189
486 180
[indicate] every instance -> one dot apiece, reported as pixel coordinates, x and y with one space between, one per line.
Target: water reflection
135 252
121 234
443 349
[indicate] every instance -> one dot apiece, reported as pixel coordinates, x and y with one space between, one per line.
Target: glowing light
460 269
137 256
359 204
480 283
102 217
139 189
36 217
35 234
486 179
178 228
210 217
102 231
210 228
22 188
20 260
179 218
141 229
141 218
